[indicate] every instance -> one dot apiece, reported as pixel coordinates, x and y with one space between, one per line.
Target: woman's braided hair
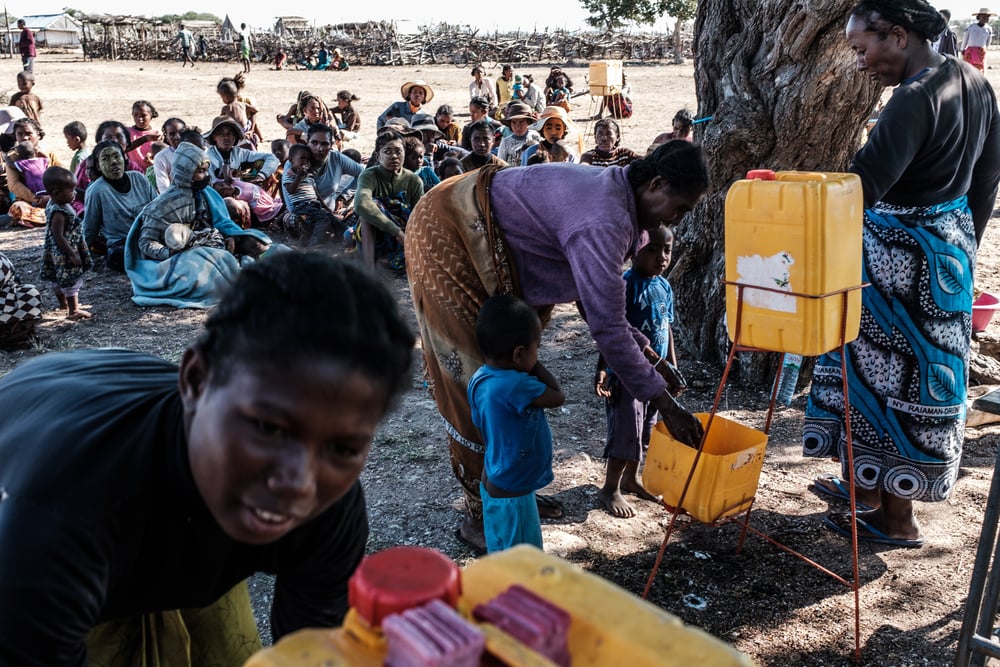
916 16
680 163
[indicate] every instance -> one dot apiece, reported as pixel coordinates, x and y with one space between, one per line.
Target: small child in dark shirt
507 396
649 307
309 212
24 99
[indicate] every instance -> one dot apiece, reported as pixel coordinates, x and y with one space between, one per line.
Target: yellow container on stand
609 627
794 232
725 481
605 77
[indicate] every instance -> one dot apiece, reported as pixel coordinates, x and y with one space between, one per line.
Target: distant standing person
947 41
202 47
186 38
977 37
26 46
246 44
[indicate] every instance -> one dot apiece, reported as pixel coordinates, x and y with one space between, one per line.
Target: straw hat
224 121
553 112
405 90
984 10
519 111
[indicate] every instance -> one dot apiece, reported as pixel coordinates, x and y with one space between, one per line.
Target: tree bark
783 92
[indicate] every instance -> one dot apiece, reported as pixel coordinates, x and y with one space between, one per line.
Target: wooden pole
6 27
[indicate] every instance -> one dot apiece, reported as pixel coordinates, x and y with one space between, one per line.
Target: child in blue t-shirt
649 307
507 396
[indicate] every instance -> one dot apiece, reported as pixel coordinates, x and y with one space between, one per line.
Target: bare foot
63 304
78 315
632 484
614 502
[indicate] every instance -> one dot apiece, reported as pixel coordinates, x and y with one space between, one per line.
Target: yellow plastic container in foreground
800 232
725 481
610 627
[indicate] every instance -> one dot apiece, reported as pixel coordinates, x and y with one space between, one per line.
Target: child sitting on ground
518 117
308 212
76 140
154 150
66 256
481 137
272 184
141 134
24 99
448 167
507 396
649 307
240 109
32 166
414 161
248 204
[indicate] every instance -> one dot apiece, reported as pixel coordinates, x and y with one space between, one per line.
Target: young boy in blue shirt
507 396
649 307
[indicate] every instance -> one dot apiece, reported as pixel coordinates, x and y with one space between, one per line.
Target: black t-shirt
100 517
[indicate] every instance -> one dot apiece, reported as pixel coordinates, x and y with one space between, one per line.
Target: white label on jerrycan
769 272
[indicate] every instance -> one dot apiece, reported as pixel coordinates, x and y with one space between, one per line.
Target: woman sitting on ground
28 209
385 196
609 152
415 95
183 246
112 202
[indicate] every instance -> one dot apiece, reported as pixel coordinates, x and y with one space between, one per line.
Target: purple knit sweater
570 229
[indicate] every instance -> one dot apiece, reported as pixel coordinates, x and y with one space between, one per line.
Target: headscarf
179 202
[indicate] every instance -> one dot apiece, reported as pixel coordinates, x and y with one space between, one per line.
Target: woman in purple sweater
553 233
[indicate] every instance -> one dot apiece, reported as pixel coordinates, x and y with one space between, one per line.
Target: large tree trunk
784 93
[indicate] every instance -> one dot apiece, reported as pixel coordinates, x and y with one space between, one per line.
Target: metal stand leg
974 637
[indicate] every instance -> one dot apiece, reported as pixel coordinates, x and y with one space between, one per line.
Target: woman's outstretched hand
683 425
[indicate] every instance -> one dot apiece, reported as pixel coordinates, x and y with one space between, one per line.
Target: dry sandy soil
772 606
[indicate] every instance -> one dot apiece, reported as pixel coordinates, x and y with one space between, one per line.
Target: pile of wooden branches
381 44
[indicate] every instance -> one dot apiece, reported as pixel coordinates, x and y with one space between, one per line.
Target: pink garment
264 206
138 155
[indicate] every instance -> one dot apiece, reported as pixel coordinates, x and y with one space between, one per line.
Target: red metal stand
854 584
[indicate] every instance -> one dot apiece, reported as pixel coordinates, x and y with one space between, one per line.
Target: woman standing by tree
929 172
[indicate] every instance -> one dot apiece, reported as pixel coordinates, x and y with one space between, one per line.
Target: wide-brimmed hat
400 125
224 121
424 122
428 91
984 10
553 112
519 111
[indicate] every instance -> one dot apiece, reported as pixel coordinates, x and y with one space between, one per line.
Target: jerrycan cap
392 581
761 175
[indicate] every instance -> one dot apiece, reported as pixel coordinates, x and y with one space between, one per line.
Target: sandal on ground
549 507
839 490
841 524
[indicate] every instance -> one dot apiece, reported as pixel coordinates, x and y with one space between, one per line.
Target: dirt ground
775 608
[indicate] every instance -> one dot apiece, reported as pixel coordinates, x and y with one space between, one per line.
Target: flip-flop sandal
839 491
549 507
868 533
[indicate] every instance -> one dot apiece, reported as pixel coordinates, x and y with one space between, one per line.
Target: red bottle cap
761 175
392 581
